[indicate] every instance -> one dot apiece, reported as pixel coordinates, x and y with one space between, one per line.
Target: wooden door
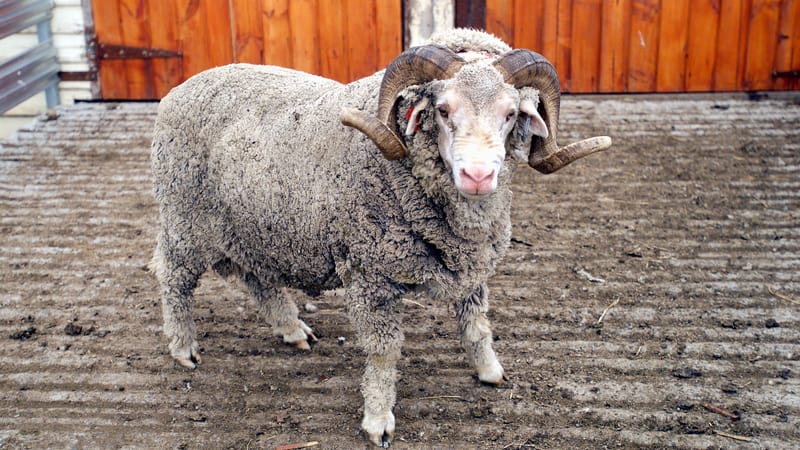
146 47
658 45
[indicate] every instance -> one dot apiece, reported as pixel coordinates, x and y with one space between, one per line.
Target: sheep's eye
443 112
511 116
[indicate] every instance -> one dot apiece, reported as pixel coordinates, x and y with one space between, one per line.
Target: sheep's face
474 112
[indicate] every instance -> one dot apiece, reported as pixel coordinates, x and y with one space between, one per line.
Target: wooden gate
145 47
658 45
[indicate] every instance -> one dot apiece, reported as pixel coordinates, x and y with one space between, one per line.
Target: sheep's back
259 155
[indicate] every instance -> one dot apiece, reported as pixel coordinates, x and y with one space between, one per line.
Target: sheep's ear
529 124
532 121
412 115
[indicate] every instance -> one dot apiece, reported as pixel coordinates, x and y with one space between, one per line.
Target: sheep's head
476 106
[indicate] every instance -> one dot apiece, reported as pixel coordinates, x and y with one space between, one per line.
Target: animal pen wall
142 48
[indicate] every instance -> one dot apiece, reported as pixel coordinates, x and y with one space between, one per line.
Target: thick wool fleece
255 176
252 165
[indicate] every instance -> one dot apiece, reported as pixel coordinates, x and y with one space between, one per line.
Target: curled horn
416 65
522 68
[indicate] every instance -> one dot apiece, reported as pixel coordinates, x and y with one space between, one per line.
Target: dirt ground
650 300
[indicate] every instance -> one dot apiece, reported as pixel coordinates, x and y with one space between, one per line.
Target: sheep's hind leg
281 313
178 280
372 312
476 336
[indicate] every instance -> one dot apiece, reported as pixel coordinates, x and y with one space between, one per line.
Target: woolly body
256 177
283 190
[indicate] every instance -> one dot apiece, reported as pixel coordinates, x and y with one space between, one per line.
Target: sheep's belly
282 257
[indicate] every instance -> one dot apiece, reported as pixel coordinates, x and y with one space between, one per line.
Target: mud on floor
650 300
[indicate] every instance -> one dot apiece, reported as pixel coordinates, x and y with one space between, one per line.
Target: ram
256 177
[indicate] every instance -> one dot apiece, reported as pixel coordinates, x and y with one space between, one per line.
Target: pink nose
477 179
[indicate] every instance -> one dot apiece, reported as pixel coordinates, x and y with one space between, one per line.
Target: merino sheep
257 178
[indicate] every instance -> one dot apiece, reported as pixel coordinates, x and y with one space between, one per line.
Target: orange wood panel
549 31
643 45
389 30
744 30
616 30
218 23
135 33
657 45
277 33
564 44
787 41
528 25
109 31
585 55
248 31
795 39
362 50
762 42
194 36
305 39
727 46
500 19
701 51
333 41
166 72
672 41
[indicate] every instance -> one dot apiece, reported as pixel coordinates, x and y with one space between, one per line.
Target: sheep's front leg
375 319
281 313
476 336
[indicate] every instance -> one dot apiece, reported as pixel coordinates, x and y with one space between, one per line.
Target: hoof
300 337
188 363
382 440
189 356
497 383
492 374
379 430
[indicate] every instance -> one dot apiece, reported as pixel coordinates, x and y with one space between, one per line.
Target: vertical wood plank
277 41
500 19
564 44
193 36
700 58
795 47
471 14
616 29
218 21
362 50
166 72
248 31
333 41
528 21
744 32
135 33
304 31
585 56
787 40
672 42
550 31
727 46
762 42
643 45
389 30
109 31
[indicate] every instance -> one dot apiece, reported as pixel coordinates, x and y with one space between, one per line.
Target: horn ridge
416 65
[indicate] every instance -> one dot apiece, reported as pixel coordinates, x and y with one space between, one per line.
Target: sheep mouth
476 195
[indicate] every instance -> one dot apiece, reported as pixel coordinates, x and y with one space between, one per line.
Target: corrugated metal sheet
692 222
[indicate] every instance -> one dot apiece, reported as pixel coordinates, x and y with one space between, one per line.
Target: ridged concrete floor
684 239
